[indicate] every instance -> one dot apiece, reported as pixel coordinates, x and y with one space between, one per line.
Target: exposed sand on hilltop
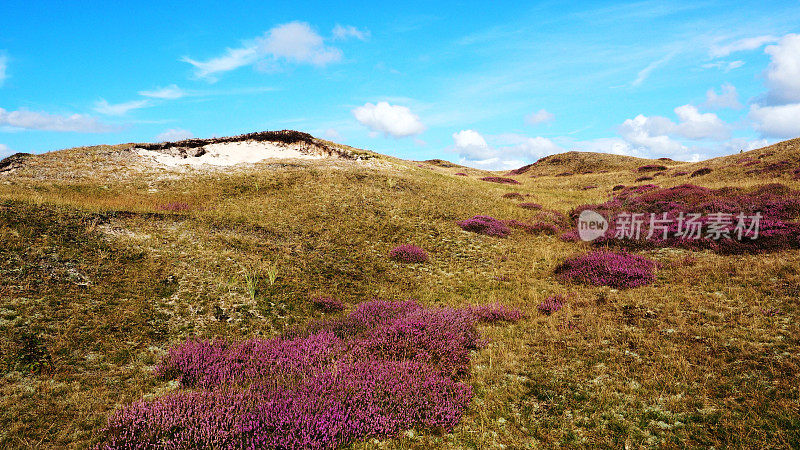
231 153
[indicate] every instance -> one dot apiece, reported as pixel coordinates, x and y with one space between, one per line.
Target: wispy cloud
170 92
645 73
174 134
539 117
119 109
294 42
342 32
3 68
32 120
751 43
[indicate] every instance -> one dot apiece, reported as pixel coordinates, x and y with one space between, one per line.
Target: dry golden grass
692 360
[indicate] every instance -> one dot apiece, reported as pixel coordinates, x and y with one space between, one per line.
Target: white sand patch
231 153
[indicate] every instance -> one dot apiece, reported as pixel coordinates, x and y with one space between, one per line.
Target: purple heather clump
778 205
618 187
608 268
514 195
461 174
530 205
701 172
485 225
396 366
502 180
680 174
175 207
551 304
651 168
495 312
645 178
328 303
408 253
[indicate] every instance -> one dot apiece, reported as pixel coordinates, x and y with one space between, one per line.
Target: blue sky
493 85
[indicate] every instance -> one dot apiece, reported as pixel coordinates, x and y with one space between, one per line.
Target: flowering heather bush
680 174
502 180
778 227
408 253
514 195
397 367
665 159
530 206
618 187
551 304
643 179
495 312
651 168
607 268
461 174
701 172
328 304
485 225
175 206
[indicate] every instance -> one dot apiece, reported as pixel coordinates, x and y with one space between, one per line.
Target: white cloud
645 73
3 69
295 42
728 98
394 120
52 122
174 134
650 135
734 65
347 31
471 145
654 135
782 121
741 45
170 92
516 151
783 73
119 109
697 125
4 151
540 116
232 59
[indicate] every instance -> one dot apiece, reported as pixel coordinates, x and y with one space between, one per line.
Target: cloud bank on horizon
686 81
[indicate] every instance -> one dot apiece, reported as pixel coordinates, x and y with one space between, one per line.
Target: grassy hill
107 261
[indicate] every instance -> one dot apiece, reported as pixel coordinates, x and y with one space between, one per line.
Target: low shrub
408 253
485 225
328 304
608 268
533 206
551 304
384 368
175 207
651 168
680 174
513 195
618 187
461 174
701 172
591 186
643 179
501 180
